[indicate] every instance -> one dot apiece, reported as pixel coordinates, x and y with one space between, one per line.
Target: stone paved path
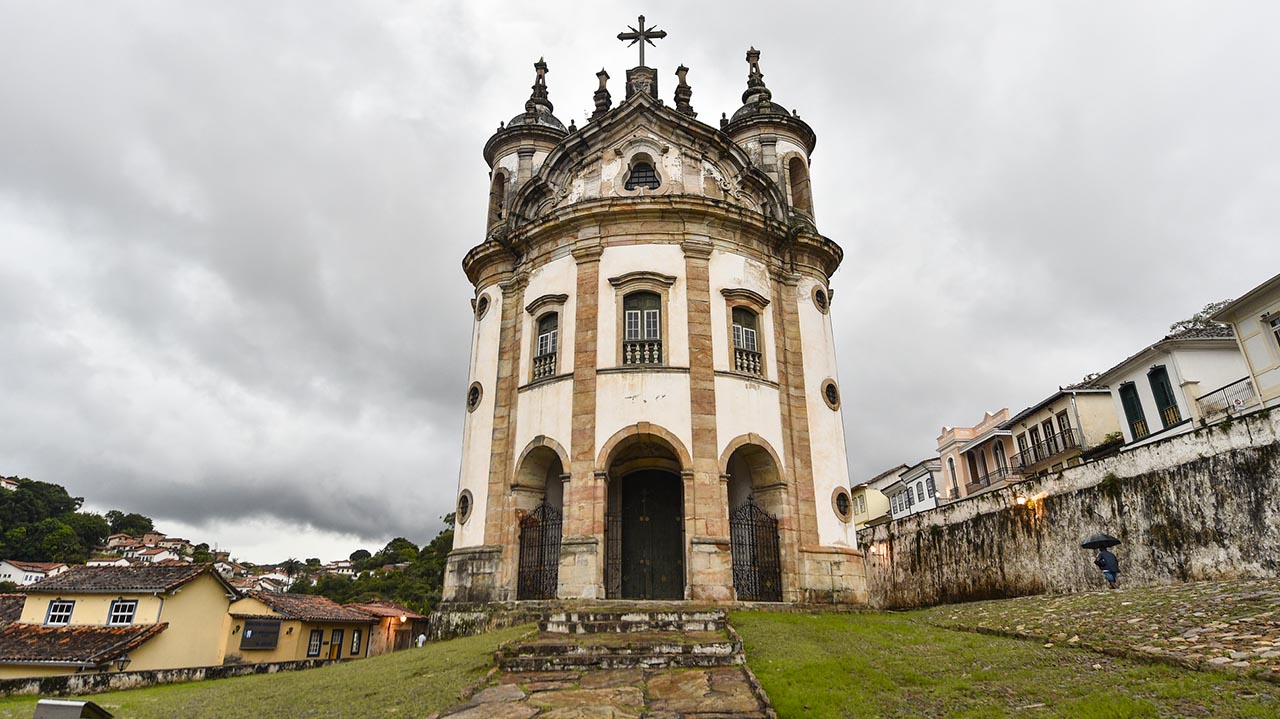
1204 625
717 693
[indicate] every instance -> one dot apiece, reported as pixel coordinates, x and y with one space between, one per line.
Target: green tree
360 555
133 523
8 588
92 529
313 562
200 554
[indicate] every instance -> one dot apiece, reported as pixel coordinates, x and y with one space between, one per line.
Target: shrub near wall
1203 505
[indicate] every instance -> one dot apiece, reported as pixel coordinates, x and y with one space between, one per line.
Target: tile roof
309 608
113 580
36 566
11 607
90 645
1210 332
384 608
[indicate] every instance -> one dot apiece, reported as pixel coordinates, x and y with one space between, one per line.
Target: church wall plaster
478 426
826 426
730 270
559 276
665 259
627 398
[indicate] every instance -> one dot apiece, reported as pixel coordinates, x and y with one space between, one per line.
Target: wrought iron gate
613 556
757 567
539 553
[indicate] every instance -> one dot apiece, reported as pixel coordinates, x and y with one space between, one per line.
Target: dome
539 118
753 109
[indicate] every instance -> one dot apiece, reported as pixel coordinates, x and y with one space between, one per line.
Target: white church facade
653 409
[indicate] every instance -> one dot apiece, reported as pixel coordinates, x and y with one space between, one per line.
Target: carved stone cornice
642 277
587 252
743 294
699 249
537 305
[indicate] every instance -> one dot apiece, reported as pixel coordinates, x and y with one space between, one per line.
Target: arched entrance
755 488
644 523
539 482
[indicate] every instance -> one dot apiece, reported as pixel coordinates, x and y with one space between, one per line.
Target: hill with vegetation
41 522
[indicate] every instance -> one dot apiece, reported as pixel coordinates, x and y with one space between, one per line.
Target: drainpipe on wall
1075 410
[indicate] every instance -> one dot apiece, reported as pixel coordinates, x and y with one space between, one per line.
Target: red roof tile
113 580
11 607
89 645
384 608
309 608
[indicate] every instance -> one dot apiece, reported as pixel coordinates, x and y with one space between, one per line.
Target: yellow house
397 625
109 619
1055 433
1255 317
275 627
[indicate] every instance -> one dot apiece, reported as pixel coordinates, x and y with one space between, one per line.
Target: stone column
581 550
710 569
501 527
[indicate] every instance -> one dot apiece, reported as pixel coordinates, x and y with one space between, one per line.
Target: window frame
316 639
49 612
627 285
741 298
357 640
538 311
1274 325
116 605
252 628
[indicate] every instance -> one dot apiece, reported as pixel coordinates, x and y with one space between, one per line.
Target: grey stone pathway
1231 625
717 693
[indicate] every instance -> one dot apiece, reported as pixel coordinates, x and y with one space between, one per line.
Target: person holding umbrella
1105 560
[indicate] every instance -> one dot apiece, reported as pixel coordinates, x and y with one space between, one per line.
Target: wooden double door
651 525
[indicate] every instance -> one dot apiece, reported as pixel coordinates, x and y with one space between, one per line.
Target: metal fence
1227 401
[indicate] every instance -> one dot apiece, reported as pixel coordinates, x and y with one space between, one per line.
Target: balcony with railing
1055 444
642 352
544 366
992 478
1228 401
747 362
1170 415
1138 428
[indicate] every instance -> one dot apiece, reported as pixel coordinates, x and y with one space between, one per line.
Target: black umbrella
1100 541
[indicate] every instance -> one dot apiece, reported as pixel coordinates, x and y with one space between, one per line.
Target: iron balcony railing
544 365
1138 428
1051 446
747 361
1227 401
642 352
996 475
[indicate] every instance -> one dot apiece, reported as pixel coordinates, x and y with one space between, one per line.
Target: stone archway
538 491
644 516
756 494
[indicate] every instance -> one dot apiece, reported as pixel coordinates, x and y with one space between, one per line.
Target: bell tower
653 410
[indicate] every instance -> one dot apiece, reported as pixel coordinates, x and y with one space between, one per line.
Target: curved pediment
662 151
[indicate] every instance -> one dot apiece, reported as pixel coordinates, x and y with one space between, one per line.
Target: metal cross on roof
642 36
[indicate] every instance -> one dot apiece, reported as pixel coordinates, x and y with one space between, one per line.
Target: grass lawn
411 683
896 665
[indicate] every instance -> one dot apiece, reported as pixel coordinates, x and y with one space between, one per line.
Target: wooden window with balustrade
746 343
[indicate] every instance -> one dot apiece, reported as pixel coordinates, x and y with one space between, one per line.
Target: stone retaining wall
97 683
1203 505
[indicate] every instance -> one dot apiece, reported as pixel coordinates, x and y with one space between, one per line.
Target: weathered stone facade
1203 505
652 331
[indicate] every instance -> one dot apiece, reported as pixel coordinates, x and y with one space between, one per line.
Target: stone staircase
625 638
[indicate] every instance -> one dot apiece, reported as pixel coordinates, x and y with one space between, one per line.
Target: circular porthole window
821 300
464 506
830 394
473 396
482 306
842 504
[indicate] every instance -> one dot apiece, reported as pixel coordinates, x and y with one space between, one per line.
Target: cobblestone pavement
1230 625
617 694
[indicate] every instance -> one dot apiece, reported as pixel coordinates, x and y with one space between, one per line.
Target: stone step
613 626
552 651
615 661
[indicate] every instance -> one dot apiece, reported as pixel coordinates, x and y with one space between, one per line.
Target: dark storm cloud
231 232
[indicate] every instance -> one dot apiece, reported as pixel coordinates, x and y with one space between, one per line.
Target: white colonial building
654 410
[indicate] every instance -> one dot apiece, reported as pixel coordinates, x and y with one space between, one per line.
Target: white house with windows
26 573
916 489
1155 391
1256 320
9 484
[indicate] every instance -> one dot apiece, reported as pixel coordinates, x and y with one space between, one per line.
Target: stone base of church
472 574
580 569
710 570
832 575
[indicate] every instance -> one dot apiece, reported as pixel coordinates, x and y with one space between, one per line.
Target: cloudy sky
231 232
